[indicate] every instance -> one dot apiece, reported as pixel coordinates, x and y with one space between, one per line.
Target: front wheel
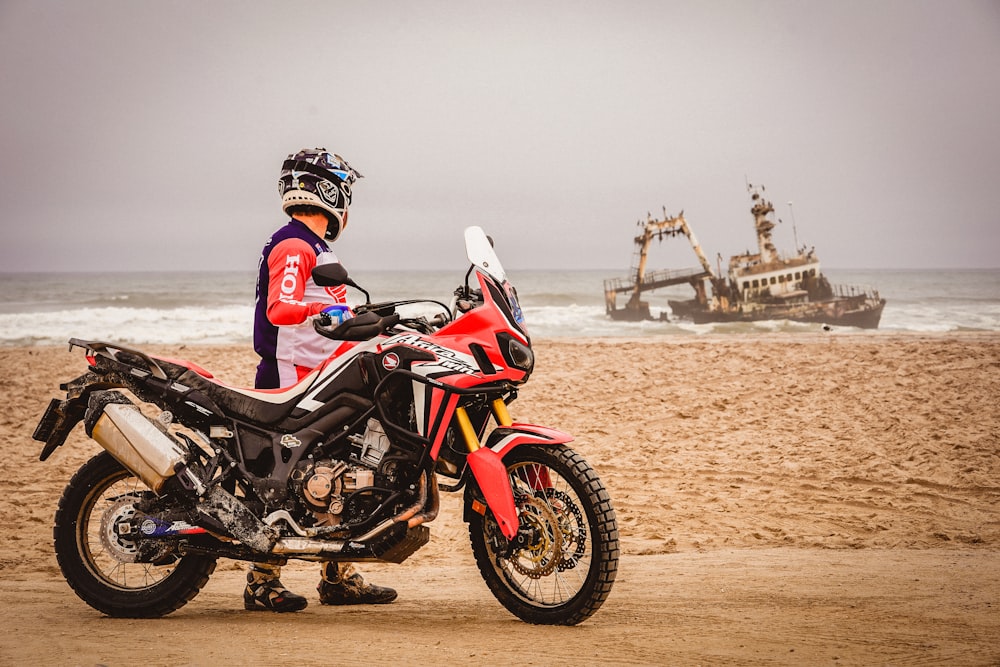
560 567
100 559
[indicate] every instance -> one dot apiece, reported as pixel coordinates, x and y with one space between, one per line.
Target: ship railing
654 279
847 291
618 285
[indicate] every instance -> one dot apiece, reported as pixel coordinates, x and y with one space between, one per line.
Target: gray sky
149 135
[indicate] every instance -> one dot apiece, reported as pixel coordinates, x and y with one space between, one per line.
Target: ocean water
216 307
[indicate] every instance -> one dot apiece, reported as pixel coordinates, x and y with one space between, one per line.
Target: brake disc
572 526
540 558
119 514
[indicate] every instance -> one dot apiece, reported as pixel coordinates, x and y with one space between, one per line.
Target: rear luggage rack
112 350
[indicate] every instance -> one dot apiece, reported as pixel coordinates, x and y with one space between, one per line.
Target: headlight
520 355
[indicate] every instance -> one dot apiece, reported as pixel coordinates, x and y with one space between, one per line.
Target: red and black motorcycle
346 465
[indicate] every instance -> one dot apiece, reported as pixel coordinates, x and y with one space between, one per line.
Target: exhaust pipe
118 426
298 546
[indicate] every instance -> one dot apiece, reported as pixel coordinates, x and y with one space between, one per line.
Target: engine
345 492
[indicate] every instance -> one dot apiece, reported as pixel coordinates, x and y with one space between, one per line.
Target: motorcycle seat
259 406
185 364
266 407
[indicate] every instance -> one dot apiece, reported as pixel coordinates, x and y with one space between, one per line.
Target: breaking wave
218 308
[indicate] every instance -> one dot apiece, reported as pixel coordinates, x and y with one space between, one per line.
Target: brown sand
782 500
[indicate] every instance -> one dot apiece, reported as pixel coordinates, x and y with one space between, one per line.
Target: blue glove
339 313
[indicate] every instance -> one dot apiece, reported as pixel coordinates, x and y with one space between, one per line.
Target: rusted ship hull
640 314
860 313
759 286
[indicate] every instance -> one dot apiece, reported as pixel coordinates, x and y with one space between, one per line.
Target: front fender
491 475
505 438
490 472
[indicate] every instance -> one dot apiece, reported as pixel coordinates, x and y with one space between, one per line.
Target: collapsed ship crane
640 280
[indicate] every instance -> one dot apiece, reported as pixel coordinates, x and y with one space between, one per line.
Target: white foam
223 324
173 309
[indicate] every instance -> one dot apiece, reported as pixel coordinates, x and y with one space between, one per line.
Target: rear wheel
560 567
101 562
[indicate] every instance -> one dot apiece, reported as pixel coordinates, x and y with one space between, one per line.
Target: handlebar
363 327
373 319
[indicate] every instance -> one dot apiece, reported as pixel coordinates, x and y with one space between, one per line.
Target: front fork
489 470
500 413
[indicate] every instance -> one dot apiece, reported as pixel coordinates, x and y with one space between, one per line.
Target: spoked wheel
102 561
560 567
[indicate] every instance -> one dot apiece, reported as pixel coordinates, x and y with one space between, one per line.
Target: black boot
264 591
342 584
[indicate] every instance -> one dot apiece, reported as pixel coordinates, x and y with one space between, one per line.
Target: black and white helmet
316 177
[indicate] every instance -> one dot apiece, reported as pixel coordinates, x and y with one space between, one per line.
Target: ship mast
761 209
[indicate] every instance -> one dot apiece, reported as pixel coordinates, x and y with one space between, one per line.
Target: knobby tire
103 580
551 583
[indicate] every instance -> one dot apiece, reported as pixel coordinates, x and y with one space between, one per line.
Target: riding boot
342 584
264 591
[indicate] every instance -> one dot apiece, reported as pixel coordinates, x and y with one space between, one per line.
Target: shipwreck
764 285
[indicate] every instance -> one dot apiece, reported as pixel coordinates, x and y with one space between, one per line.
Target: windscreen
480 252
482 256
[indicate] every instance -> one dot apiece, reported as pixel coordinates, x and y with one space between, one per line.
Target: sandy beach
785 499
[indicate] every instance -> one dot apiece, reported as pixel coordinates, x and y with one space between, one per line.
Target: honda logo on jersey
290 278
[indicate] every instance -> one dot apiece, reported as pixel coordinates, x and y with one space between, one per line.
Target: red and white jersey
287 297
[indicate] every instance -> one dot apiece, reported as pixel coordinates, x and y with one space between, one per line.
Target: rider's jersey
287 297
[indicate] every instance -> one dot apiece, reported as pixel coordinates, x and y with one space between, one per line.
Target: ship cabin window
798 275
756 283
812 272
781 279
773 280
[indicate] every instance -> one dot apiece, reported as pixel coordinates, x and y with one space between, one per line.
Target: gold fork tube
501 413
469 433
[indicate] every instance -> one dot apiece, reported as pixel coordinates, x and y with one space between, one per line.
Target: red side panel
491 474
439 427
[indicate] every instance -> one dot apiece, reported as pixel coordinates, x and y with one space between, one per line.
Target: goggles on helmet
318 178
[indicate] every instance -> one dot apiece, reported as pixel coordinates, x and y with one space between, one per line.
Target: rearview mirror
331 275
334 274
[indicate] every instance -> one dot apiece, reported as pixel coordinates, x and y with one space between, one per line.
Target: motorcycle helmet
316 177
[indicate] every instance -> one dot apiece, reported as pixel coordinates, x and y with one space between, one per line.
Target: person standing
315 188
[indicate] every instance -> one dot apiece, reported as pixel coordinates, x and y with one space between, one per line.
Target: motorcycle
346 465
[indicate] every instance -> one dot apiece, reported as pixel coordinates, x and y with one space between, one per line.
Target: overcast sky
149 135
